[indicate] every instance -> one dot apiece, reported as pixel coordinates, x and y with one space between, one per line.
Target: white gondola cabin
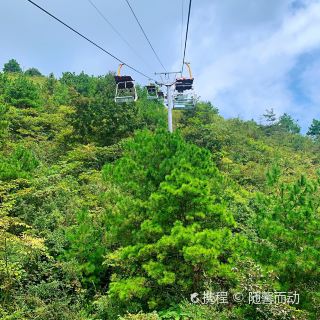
184 96
152 92
125 88
160 96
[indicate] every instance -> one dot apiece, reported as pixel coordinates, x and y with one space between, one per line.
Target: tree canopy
33 72
314 129
12 66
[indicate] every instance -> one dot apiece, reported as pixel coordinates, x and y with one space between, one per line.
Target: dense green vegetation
105 215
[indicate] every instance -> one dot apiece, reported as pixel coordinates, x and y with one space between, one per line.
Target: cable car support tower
183 97
168 85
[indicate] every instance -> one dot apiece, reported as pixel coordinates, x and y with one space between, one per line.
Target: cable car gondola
152 92
184 96
125 88
160 96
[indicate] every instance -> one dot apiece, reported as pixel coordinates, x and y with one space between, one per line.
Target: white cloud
310 83
246 68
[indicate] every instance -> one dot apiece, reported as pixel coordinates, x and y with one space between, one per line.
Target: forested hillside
106 215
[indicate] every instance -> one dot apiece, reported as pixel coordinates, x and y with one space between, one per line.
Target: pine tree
33 72
314 129
170 227
270 116
22 93
287 124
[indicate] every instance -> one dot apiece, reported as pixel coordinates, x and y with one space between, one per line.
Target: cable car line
145 35
86 38
182 20
116 31
186 39
183 97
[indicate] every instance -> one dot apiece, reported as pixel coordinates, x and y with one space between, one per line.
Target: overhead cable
115 30
86 38
186 38
145 35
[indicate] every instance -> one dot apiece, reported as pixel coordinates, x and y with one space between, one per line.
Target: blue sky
246 55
